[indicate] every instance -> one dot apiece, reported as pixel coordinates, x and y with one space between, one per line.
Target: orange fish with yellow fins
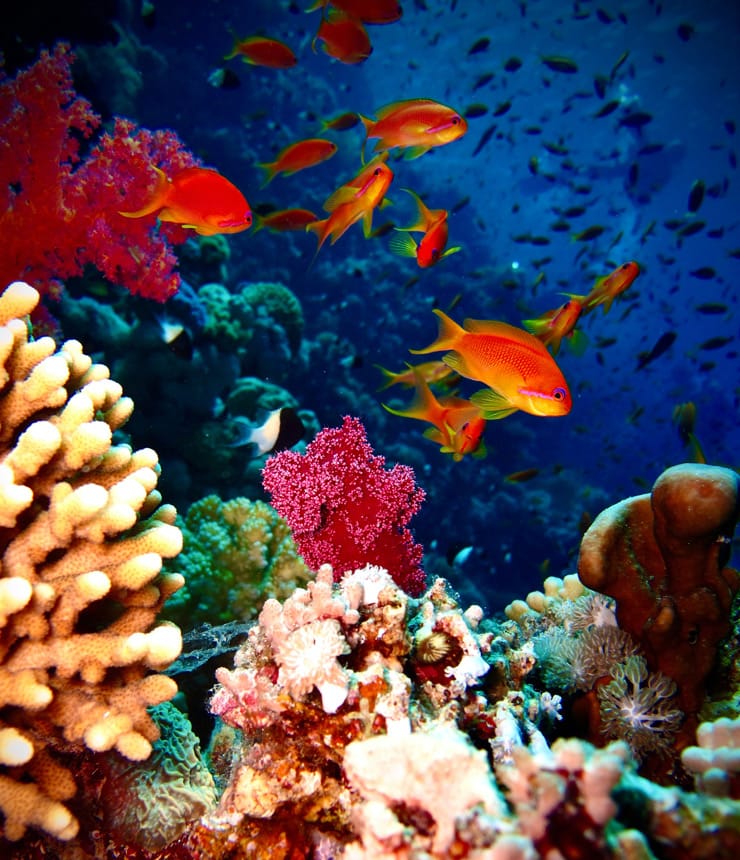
197 198
432 372
433 244
457 424
517 368
354 201
556 324
608 287
417 125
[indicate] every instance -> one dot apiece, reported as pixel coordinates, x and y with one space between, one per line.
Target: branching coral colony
83 536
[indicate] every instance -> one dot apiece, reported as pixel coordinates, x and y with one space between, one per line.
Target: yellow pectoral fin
493 405
403 245
452 250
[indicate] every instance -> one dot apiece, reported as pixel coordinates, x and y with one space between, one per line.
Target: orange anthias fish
200 199
368 11
457 424
353 202
261 51
416 124
298 156
608 287
517 368
284 220
433 224
344 36
554 325
432 372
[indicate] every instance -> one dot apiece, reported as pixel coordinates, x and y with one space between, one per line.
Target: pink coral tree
58 211
345 508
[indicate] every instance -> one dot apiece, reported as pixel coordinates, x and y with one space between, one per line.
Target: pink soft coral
60 212
345 509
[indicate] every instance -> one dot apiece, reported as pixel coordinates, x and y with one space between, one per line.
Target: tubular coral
344 508
59 211
82 541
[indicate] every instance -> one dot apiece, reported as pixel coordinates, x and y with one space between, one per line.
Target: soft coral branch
60 212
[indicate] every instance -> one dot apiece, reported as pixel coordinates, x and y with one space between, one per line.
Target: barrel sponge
82 539
236 554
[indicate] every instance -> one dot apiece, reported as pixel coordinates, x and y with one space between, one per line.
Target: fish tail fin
575 297
426 216
697 453
156 198
321 232
390 377
368 125
257 222
537 326
403 245
268 168
448 335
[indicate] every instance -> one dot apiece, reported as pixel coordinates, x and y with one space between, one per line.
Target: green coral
236 554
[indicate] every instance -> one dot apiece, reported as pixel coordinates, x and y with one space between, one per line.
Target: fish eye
377 171
455 120
559 394
435 256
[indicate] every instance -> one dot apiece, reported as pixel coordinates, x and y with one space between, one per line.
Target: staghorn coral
236 554
83 535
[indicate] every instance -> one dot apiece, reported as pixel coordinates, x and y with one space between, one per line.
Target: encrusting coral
82 537
662 557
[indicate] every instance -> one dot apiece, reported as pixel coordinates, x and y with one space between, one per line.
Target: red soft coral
59 212
345 508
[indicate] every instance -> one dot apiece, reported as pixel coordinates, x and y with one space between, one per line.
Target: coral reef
662 558
60 212
236 554
344 508
83 538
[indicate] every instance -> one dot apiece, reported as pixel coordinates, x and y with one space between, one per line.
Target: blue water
681 68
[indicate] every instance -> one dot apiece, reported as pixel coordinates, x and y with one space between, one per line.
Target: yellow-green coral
236 554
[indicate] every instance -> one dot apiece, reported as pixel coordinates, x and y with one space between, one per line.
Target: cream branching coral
82 538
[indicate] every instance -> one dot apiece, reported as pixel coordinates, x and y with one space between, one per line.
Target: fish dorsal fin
490 327
391 108
493 405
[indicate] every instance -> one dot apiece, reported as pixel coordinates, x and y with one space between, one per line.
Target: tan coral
82 536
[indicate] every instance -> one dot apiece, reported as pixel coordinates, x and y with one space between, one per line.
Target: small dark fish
461 204
573 211
521 238
485 137
602 342
555 148
734 253
539 240
696 195
479 46
475 110
650 149
482 80
503 108
685 31
712 308
600 84
512 64
663 344
534 165
703 273
730 126
691 228
606 109
342 122
636 120
533 129
604 16
633 174
618 65
521 476
560 226
589 233
716 342
560 64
